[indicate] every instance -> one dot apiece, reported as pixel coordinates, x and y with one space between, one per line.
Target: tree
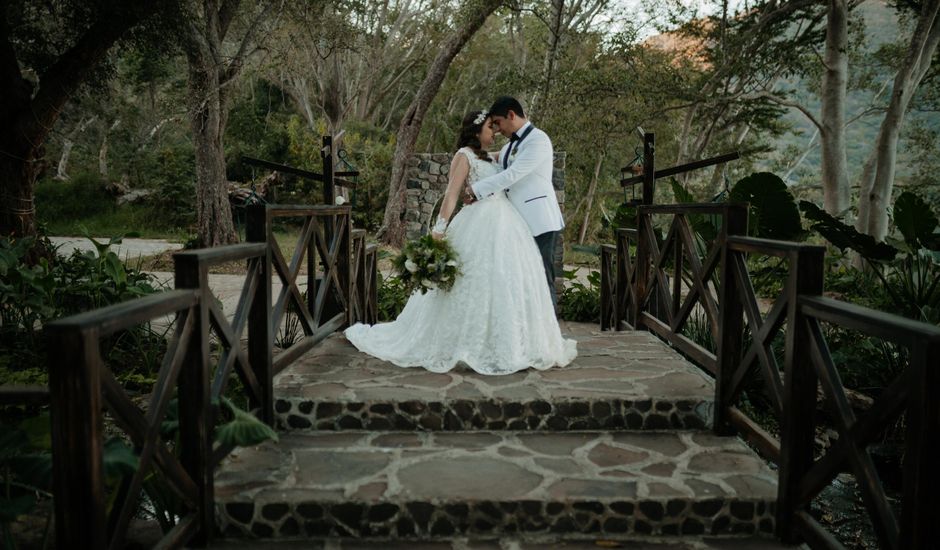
47 50
740 58
471 16
564 20
835 177
354 60
211 76
877 179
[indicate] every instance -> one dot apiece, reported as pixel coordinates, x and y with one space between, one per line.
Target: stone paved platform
512 543
619 380
434 485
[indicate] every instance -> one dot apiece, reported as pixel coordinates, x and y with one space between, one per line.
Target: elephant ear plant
907 267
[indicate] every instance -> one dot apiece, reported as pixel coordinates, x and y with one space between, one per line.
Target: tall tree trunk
211 73
27 117
592 191
62 169
555 32
207 117
474 14
835 179
875 197
19 169
103 151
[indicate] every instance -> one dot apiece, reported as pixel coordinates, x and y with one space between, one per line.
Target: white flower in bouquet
429 284
411 266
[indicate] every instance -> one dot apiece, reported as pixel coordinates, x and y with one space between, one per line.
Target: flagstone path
613 447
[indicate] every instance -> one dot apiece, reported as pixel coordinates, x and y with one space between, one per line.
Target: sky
648 13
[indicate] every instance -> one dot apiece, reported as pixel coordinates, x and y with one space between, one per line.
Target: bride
498 318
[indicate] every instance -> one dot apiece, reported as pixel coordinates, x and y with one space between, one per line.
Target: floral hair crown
480 117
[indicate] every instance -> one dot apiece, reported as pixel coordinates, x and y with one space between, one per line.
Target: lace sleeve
472 160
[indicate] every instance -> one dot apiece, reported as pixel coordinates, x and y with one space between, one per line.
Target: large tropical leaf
916 221
38 430
244 429
705 225
773 213
119 459
844 236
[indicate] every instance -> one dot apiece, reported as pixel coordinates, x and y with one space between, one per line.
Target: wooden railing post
260 331
77 427
607 289
919 528
327 155
649 167
622 279
194 397
730 317
797 427
641 280
345 263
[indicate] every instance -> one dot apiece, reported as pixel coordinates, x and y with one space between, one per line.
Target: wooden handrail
680 169
16 394
82 386
110 319
796 313
283 168
869 321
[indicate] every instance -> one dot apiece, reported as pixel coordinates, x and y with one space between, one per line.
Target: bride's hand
437 236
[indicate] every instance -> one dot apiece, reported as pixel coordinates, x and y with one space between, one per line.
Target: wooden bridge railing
340 290
712 278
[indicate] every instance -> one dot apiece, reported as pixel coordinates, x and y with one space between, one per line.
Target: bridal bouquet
427 264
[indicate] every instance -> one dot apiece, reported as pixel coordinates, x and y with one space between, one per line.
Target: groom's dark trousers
546 244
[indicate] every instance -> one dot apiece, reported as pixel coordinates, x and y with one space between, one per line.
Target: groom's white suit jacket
527 180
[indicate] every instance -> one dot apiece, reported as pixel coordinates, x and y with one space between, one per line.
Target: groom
526 177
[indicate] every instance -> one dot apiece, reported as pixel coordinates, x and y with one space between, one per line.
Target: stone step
428 485
516 543
624 380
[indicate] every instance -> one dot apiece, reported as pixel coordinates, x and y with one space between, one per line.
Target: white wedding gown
496 319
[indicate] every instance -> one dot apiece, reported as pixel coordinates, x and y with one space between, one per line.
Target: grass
131 221
579 258
82 205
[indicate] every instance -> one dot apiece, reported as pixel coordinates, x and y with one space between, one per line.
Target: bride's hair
470 133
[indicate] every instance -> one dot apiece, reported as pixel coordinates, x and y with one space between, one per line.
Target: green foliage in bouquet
427 264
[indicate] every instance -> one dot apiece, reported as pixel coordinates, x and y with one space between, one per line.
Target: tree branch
780 101
10 73
63 77
235 65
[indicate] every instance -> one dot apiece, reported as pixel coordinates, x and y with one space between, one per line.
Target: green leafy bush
581 302
31 295
908 269
392 297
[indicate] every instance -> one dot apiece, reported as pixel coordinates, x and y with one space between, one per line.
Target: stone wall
426 182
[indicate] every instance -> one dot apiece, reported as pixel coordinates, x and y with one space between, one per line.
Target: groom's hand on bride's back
468 196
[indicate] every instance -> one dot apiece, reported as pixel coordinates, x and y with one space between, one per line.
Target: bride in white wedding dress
498 318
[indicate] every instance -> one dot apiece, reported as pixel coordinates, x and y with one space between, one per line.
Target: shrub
31 295
581 302
83 196
392 297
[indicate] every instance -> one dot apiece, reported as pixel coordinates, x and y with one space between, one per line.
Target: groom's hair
504 104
